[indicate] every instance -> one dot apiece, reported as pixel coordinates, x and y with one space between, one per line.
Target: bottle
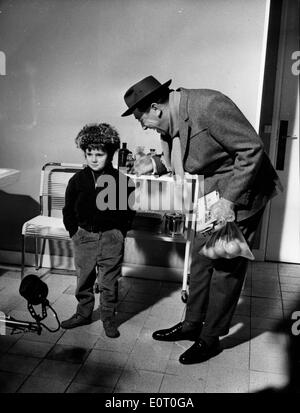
122 155
139 152
129 160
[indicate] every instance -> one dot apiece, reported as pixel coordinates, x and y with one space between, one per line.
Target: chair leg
23 257
36 253
42 252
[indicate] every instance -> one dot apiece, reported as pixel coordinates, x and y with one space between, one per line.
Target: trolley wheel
184 296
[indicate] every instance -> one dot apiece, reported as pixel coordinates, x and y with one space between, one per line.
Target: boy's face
96 159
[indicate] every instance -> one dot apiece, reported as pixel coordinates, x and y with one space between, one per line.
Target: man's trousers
215 285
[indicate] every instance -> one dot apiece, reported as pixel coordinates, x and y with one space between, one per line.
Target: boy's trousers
215 285
104 249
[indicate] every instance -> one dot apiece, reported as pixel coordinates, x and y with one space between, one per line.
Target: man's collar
174 100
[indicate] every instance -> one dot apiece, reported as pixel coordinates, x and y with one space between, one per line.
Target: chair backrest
54 180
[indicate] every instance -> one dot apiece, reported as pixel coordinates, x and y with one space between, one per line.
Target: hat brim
130 110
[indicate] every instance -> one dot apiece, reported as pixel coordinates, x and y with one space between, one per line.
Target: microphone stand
25 326
29 326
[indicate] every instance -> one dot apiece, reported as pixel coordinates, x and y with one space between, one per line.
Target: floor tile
178 348
30 348
268 357
266 307
283 279
133 380
228 380
124 343
235 357
290 287
96 374
42 385
287 270
84 388
10 382
18 364
54 369
289 306
261 381
155 322
44 337
114 359
196 372
176 384
149 356
243 307
266 289
69 354
76 338
240 327
263 323
291 295
7 341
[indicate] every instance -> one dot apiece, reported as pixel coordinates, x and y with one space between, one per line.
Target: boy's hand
142 166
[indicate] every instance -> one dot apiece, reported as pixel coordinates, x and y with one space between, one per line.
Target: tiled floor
85 360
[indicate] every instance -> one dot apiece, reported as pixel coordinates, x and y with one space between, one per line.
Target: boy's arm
69 216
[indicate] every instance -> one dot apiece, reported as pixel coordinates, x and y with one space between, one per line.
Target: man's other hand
222 211
142 166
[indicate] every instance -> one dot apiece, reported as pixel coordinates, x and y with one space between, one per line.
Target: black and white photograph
149 199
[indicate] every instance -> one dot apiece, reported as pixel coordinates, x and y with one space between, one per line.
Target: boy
97 230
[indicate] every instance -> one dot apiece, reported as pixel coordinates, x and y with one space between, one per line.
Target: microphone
35 292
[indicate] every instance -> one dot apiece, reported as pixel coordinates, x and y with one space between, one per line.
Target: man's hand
222 211
142 166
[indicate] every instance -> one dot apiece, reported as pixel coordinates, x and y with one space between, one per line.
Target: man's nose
142 124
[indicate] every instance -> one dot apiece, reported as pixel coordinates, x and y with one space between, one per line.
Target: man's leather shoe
175 333
200 352
75 321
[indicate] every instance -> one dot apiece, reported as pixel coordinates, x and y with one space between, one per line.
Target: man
203 132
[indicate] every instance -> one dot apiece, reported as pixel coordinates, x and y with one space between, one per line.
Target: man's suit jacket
217 141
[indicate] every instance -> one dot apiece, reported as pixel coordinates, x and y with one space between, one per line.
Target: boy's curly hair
98 136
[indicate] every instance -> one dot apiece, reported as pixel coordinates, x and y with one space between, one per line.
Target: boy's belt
96 228
91 228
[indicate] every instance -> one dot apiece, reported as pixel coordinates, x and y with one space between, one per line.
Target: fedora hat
137 94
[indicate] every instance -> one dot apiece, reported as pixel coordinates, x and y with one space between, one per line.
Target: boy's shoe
110 328
75 321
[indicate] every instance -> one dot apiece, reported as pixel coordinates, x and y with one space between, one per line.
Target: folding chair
49 224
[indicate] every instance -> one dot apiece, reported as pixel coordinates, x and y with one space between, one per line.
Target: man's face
96 159
154 118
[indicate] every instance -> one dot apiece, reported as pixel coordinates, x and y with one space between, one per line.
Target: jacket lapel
184 126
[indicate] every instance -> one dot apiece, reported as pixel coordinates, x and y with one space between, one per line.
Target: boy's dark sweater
81 209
